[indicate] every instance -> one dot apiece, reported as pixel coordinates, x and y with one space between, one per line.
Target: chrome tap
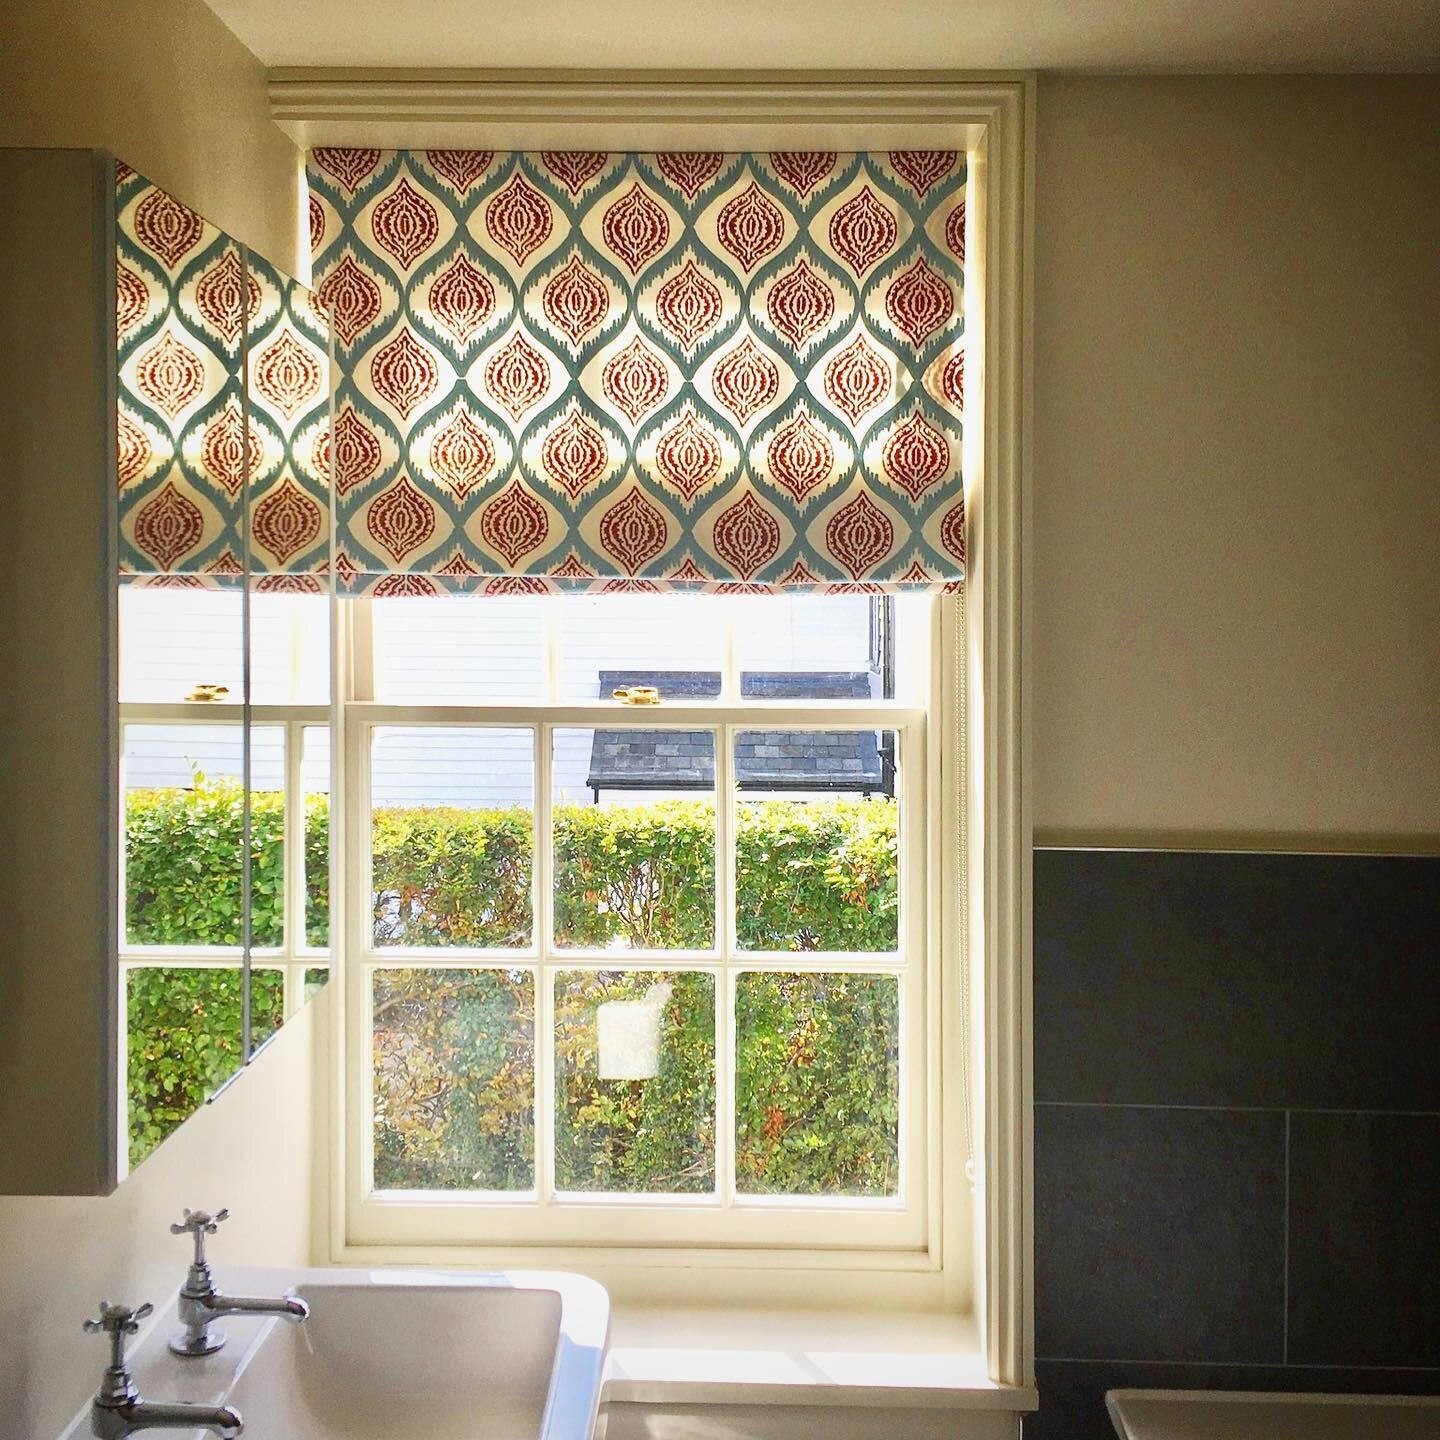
201 1303
118 1410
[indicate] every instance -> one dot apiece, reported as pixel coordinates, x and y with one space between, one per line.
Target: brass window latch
637 695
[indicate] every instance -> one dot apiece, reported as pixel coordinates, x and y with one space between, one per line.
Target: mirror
224 624
288 648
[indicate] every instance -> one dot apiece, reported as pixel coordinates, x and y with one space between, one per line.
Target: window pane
813 647
816 837
454 1079
267 1002
634 820
673 642
634 1081
452 832
315 787
817 1084
173 640
459 648
289 649
182 1041
267 836
183 828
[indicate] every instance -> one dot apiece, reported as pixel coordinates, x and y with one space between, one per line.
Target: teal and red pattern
200 441
288 354
568 369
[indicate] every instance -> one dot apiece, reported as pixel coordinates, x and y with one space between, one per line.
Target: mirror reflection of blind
224 399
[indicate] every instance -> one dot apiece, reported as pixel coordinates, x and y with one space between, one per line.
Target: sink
399 1355
1258 1415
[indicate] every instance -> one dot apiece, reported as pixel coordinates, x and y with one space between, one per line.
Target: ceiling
1100 35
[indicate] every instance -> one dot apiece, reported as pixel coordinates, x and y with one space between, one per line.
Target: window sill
693 1355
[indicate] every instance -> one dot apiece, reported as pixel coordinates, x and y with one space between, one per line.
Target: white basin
1254 1415
400 1355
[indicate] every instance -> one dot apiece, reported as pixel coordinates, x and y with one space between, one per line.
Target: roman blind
691 371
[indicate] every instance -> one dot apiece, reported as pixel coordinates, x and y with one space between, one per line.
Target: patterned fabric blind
570 370
223 417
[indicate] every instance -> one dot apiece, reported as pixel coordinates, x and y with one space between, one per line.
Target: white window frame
802 1225
986 1254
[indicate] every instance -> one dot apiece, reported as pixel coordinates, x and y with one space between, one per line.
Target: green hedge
183 870
818 876
182 887
183 1040
817 1088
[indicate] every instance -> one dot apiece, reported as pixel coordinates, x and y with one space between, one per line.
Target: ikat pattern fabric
223 412
574 370
288 385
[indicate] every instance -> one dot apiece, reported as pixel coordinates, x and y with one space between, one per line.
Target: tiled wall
1237 1126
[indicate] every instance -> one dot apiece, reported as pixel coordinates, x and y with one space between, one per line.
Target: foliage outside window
182 975
454 1048
759 933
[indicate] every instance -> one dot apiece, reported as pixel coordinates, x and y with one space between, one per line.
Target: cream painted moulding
987 928
634 109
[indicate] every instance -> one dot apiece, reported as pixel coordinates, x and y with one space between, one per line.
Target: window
648 973
386 688
182 853
639 973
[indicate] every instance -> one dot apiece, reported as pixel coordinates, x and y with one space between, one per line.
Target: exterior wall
167 88
429 650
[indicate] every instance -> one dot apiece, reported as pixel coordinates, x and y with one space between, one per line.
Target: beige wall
250 1150
1237 462
166 87
163 85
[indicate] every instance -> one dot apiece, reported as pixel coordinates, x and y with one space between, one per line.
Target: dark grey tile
1365 1239
1268 980
1072 1394
1159 1234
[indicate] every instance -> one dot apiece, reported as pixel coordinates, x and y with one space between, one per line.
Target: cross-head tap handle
198 1224
117 1321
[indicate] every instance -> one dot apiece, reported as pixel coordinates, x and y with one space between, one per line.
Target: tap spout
115 1422
199 1307
288 1307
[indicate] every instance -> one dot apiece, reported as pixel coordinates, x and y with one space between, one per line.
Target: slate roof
846 760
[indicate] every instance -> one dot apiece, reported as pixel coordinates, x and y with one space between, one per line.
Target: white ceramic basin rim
400 1355
1255 1415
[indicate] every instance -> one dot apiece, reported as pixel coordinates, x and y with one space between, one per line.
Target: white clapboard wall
438 651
